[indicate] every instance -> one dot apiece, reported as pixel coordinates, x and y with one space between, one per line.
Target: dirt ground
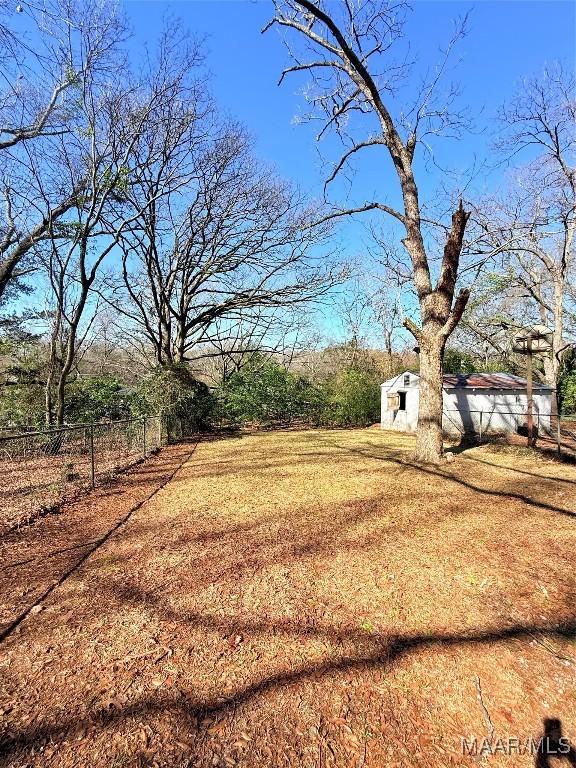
296 599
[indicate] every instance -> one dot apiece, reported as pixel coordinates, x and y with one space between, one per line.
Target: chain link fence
41 469
549 431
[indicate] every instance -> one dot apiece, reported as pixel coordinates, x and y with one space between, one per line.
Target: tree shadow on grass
365 507
382 652
547 452
518 471
367 652
433 471
47 585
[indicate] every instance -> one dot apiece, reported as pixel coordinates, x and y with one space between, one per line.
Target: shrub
459 362
186 404
265 392
456 361
568 393
21 405
96 398
354 399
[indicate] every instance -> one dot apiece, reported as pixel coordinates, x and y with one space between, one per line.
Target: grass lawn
302 598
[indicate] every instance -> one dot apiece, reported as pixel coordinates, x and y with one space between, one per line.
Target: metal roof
488 381
475 381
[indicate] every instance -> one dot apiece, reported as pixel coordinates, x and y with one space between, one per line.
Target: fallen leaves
257 620
234 641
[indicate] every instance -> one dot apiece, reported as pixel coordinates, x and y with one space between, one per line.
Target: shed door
393 401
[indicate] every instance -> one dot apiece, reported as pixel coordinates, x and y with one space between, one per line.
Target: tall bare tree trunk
342 41
60 400
52 365
552 313
440 314
68 362
552 365
429 433
71 347
48 404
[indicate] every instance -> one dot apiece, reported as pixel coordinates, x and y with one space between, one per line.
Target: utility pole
528 341
529 396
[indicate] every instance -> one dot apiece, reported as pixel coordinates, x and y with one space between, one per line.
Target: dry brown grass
299 599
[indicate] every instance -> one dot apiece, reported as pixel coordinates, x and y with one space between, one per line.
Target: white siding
466 410
402 421
493 411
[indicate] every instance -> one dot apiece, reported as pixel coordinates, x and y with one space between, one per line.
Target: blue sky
507 40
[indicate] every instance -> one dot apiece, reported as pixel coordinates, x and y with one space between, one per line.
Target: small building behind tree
473 403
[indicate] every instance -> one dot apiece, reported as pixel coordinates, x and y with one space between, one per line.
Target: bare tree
61 50
115 154
277 332
368 307
355 78
387 308
235 239
533 224
496 307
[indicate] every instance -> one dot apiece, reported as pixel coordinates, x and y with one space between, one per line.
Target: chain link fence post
43 468
92 458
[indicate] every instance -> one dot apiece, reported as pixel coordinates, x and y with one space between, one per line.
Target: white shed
474 403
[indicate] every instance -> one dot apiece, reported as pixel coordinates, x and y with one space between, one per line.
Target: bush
186 404
569 394
456 361
459 362
567 386
354 399
567 382
265 392
96 398
21 405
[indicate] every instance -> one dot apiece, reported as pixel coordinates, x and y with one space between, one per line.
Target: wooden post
558 432
144 437
529 391
481 415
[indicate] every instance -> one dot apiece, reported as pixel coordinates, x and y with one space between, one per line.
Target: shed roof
488 381
478 381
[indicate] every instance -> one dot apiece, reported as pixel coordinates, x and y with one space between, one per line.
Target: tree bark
346 54
440 314
52 365
552 363
429 432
